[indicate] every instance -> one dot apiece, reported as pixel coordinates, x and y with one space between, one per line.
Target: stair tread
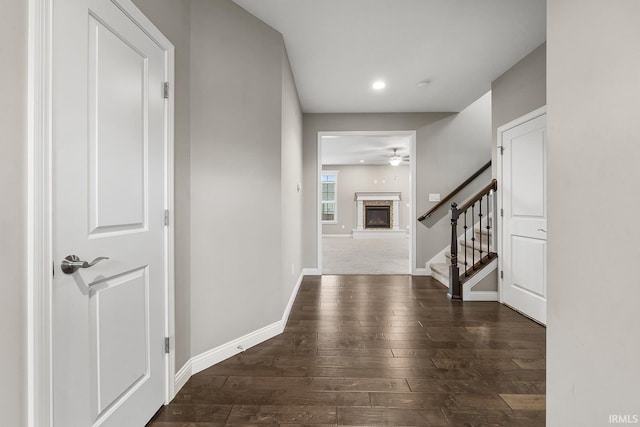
484 231
471 244
441 268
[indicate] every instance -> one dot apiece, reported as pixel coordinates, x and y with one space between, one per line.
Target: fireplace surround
378 215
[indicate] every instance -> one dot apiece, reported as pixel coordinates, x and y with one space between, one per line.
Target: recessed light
379 85
361 161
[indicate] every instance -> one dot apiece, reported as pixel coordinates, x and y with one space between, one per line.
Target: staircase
472 255
472 250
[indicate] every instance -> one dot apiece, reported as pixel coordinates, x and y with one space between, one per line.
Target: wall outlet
342 226
434 197
293 269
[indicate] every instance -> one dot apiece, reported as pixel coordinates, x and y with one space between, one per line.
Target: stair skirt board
468 294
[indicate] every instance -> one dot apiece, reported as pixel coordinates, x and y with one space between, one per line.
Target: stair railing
484 220
451 195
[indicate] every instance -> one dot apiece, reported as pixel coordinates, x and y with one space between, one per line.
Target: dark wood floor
377 350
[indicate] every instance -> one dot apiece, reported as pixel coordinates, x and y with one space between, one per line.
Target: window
329 197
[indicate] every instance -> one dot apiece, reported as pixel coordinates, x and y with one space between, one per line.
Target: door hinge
501 148
502 274
166 217
165 89
501 212
166 345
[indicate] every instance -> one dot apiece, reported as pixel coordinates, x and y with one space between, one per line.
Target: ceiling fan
395 160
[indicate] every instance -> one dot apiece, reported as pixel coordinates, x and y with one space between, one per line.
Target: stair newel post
454 271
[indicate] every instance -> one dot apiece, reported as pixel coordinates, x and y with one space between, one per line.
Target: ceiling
373 149
338 48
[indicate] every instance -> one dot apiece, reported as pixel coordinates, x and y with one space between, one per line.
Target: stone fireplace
378 214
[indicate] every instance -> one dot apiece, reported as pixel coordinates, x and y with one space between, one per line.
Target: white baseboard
183 375
216 355
377 234
481 296
421 272
292 298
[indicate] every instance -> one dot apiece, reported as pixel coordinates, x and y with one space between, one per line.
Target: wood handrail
454 192
493 185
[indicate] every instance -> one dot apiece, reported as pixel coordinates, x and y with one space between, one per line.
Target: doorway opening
366 202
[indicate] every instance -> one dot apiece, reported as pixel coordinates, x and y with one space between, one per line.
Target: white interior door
524 201
109 159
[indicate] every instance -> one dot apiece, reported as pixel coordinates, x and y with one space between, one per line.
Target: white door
524 226
109 158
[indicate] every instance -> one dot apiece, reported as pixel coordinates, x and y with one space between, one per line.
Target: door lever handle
71 263
542 229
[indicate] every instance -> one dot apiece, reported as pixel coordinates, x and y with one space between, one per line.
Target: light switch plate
434 197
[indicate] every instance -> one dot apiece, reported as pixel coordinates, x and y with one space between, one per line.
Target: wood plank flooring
377 350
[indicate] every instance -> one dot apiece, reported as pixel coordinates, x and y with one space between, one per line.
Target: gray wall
173 19
236 202
440 140
13 149
291 176
593 111
367 178
453 149
520 90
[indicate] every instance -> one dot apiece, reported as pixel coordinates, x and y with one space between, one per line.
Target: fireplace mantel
387 197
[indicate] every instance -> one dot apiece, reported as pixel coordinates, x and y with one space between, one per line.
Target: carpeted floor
344 255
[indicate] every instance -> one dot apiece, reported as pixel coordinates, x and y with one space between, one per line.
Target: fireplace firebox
377 217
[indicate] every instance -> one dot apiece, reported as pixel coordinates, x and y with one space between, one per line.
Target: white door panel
524 222
109 163
117 132
527 256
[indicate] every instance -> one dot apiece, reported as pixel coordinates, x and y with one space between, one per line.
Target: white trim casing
499 234
39 252
412 202
39 206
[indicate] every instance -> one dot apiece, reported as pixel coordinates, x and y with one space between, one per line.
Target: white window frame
335 196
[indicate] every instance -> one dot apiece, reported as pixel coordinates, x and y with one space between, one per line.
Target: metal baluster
488 226
480 227
473 239
466 271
